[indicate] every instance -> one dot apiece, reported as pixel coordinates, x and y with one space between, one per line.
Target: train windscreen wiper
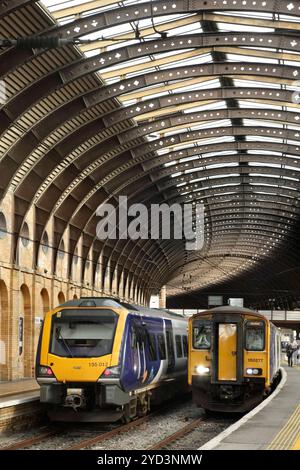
60 336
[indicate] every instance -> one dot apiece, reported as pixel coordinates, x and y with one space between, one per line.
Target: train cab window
254 336
83 333
185 345
178 345
201 334
161 347
152 347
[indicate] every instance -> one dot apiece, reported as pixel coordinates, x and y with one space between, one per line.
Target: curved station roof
162 101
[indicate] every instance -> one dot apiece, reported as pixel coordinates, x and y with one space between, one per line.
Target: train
100 359
234 358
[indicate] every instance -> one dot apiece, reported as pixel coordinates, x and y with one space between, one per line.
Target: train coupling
75 398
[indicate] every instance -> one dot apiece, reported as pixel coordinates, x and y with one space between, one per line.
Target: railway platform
273 425
17 389
19 402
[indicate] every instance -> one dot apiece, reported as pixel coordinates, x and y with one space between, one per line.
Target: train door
170 345
138 343
134 362
227 348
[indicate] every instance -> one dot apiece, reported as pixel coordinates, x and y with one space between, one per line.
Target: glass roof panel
262 123
192 153
249 58
254 83
207 107
227 27
258 105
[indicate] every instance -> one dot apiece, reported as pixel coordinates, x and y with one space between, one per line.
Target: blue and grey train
100 359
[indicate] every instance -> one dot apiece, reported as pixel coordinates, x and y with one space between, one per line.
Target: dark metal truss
68 143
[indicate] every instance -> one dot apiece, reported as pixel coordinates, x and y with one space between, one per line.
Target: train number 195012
98 364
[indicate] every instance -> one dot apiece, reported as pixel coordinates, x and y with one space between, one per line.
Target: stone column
163 297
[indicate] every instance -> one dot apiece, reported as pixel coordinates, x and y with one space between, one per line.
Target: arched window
61 298
3 226
45 301
25 235
45 243
61 250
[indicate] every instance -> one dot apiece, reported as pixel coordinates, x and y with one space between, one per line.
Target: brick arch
61 297
45 300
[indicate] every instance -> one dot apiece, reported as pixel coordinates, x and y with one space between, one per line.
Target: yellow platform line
296 445
288 437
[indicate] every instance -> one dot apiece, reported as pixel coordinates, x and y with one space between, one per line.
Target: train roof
117 303
232 310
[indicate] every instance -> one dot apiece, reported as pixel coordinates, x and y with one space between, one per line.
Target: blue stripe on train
137 368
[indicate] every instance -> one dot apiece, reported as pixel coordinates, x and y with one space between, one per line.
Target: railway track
86 443
83 443
32 440
177 435
68 439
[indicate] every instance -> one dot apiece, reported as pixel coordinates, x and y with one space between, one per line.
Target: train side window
133 339
255 336
161 347
185 345
170 347
201 334
152 347
178 345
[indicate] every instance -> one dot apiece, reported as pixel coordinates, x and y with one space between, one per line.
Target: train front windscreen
83 333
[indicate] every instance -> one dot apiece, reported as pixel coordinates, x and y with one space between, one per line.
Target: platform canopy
170 101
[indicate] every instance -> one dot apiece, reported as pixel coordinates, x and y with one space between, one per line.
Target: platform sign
236 302
215 300
154 301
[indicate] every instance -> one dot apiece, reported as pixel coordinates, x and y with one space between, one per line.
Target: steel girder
113 187
8 6
131 13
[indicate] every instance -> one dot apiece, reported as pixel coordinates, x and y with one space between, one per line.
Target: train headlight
202 370
253 371
45 371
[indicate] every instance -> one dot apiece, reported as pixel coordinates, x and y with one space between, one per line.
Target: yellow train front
100 359
234 358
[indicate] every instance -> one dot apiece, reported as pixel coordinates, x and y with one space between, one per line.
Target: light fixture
202 370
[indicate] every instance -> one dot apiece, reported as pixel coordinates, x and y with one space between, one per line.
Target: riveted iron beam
284 97
117 116
218 149
233 69
135 51
239 196
131 13
290 195
205 175
192 119
206 147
